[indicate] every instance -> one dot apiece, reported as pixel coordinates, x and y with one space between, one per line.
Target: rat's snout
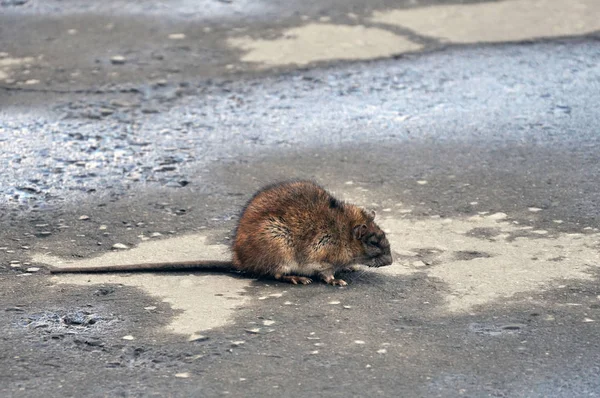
386 260
381 261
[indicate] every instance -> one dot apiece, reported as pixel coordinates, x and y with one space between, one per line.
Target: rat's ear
359 231
369 213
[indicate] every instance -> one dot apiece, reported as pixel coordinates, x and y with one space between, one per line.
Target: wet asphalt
509 126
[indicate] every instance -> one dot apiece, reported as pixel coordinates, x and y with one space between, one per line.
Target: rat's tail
202 265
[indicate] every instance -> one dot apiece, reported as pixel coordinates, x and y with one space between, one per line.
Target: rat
291 231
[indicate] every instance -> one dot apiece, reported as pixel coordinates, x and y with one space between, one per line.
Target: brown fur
298 223
291 231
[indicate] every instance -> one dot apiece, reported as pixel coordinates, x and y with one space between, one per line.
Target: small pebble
359 342
155 234
197 337
120 246
117 60
183 375
102 227
588 320
534 209
33 269
381 351
497 216
152 307
128 337
253 331
237 343
268 322
160 169
422 182
84 217
177 36
334 302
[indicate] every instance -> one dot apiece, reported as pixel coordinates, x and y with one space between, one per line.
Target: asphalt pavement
136 132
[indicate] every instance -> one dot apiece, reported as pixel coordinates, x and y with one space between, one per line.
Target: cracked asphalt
478 149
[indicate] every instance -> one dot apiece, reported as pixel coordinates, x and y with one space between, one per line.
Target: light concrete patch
480 270
498 21
8 63
194 294
322 42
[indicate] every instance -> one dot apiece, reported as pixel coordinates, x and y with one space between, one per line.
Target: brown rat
291 231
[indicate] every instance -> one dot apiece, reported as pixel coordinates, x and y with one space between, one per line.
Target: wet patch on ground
404 118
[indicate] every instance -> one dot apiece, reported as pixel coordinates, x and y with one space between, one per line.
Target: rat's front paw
338 282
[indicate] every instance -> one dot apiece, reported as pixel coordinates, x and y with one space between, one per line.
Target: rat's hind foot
293 279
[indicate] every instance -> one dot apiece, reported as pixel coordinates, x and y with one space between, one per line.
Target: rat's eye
373 241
